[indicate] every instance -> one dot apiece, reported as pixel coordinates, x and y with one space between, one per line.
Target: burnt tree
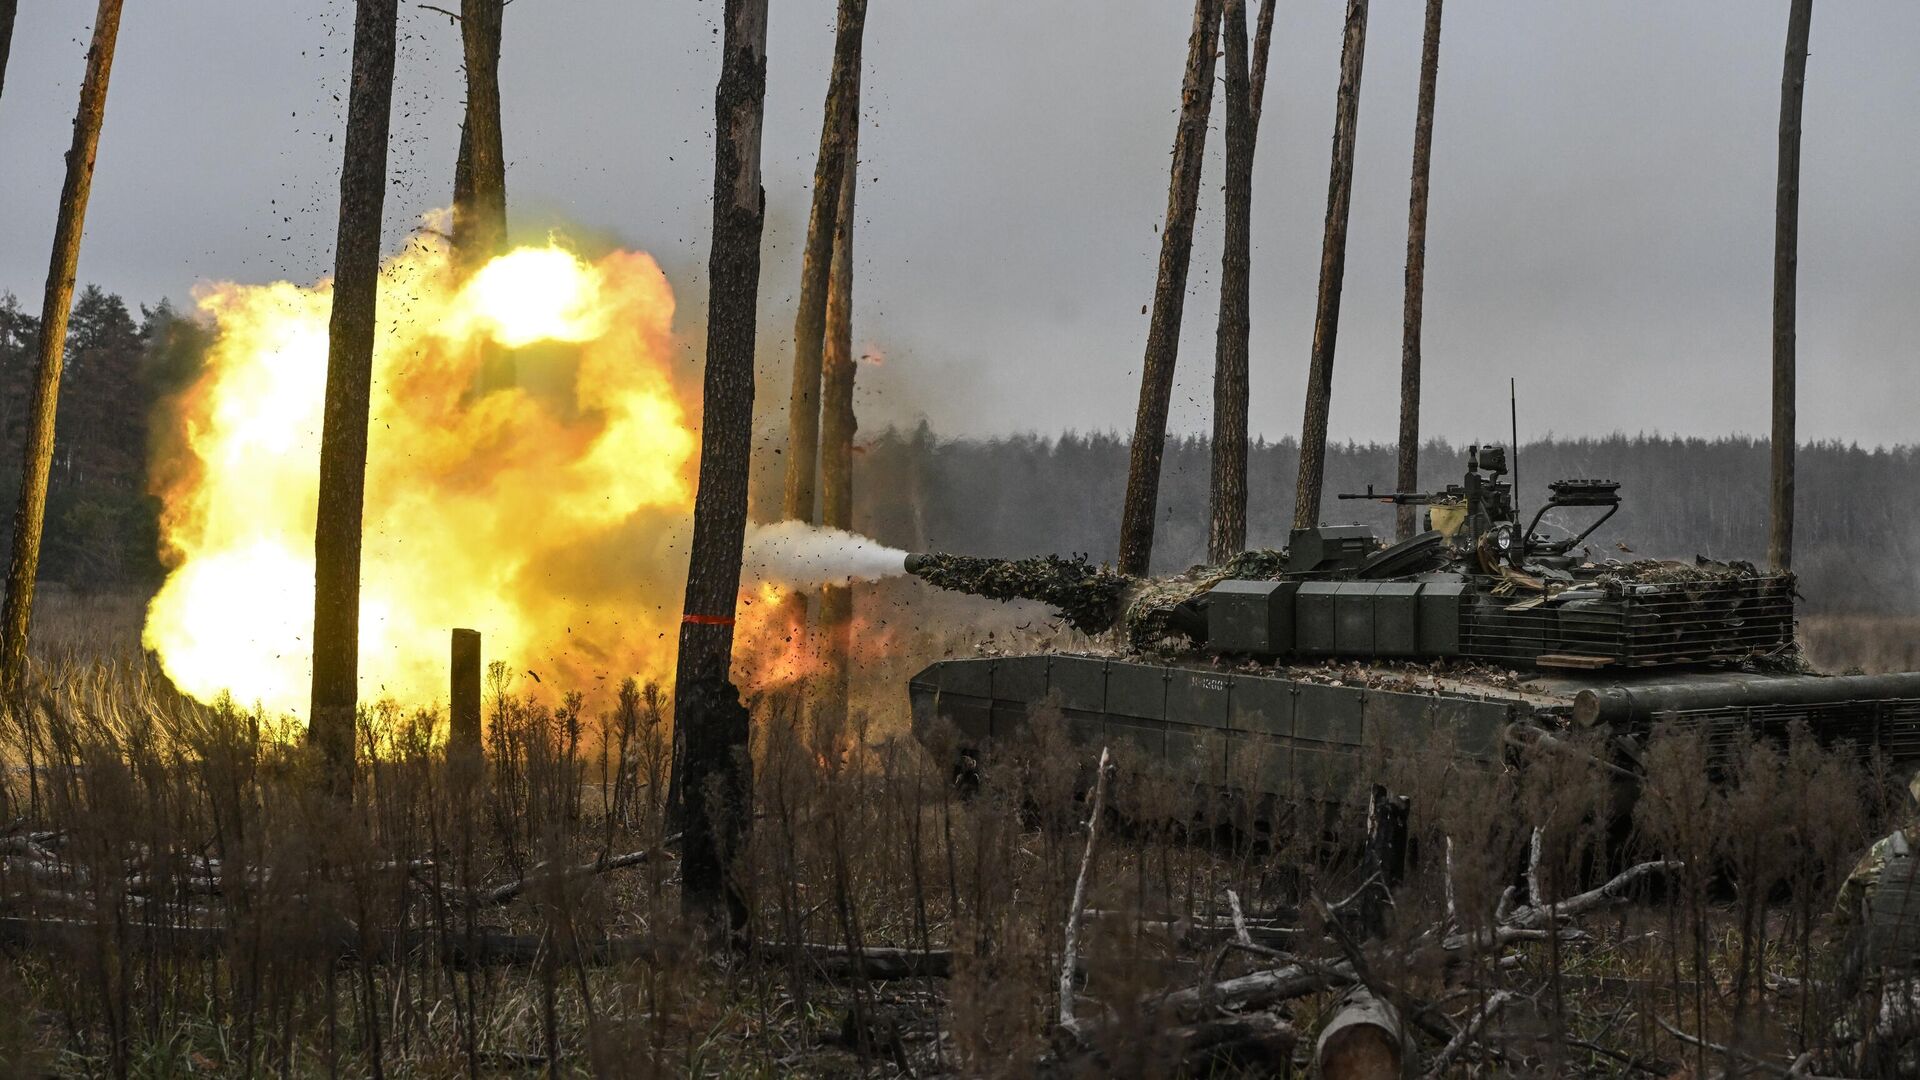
711 769
837 124
29 516
1333 269
1786 272
1169 294
343 430
1227 488
837 425
1408 476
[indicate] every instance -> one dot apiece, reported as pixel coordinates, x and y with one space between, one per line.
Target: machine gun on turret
1479 514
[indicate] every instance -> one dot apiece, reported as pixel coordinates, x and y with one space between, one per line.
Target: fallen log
455 948
543 874
1256 990
1365 1040
1258 1043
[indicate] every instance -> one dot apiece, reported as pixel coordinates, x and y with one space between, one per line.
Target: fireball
548 510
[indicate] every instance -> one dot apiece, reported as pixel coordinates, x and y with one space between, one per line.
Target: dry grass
1869 643
221 919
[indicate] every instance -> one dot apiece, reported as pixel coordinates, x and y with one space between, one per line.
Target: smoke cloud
794 554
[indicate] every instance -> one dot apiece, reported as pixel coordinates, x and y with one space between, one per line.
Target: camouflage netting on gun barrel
1085 595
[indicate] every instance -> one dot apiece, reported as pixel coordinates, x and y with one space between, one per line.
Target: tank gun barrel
1090 598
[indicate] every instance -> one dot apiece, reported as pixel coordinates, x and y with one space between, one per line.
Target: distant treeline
1857 549
102 525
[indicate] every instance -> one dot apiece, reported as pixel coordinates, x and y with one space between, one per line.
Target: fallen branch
1257 990
880 964
1796 1070
506 894
1468 1032
1070 951
1257 1042
1613 892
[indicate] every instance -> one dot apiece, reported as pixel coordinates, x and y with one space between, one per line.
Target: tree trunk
480 226
840 116
837 426
1333 269
1786 269
343 432
1409 472
30 514
712 771
809 324
1227 493
461 224
8 8
1169 294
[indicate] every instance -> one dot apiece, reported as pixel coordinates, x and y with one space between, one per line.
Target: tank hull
1300 733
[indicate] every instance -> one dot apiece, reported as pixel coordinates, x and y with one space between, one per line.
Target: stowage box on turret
1479 632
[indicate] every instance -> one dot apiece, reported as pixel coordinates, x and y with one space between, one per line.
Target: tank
1281 668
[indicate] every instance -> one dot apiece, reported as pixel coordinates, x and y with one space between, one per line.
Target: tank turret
1476 585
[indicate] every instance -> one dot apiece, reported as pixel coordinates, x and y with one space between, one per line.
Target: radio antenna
1513 406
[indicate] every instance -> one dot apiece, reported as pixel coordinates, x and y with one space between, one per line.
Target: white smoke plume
795 554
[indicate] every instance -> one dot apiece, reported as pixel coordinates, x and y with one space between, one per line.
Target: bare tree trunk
8 8
1169 293
712 771
840 116
1227 513
810 322
1409 472
479 226
1333 269
483 232
1786 270
30 514
461 224
343 432
837 426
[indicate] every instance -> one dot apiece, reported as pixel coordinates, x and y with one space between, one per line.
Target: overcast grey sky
1602 203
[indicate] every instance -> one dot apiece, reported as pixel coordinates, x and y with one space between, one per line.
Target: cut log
1363 1041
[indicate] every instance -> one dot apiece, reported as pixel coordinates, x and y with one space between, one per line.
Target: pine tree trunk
809 324
343 432
484 234
481 215
8 8
1409 471
712 772
1169 294
1333 269
837 426
462 222
1786 270
1227 492
29 517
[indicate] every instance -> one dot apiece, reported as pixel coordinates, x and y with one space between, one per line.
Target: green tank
1280 669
